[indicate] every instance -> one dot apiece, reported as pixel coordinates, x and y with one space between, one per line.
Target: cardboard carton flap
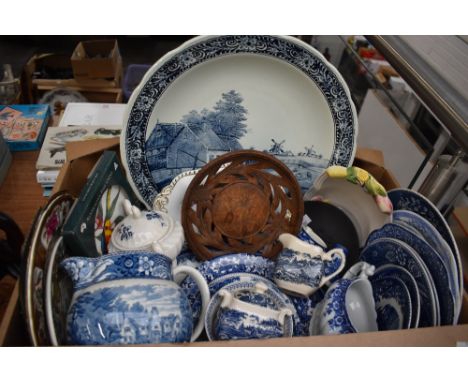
82 148
370 155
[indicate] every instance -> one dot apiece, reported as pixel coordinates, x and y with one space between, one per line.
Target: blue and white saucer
446 286
392 303
271 298
403 199
428 232
391 251
396 272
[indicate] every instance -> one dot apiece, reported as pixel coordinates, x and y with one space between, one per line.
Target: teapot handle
204 292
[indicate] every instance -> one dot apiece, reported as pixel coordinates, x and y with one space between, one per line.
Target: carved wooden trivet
241 202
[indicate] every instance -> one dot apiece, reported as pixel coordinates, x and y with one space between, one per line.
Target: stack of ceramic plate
418 281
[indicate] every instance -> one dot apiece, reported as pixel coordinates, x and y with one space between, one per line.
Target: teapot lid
140 229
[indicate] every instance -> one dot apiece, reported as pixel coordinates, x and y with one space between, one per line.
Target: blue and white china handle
204 292
230 301
329 256
360 270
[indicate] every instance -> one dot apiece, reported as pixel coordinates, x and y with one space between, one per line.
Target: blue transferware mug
251 316
309 236
302 268
130 298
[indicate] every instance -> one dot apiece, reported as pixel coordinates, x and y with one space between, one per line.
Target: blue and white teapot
130 298
149 231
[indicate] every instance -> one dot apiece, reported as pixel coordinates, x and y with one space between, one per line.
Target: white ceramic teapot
147 231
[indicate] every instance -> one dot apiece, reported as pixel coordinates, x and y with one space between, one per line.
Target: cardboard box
82 157
33 88
373 161
95 59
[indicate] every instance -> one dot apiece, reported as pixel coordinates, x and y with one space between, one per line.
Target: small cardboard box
96 59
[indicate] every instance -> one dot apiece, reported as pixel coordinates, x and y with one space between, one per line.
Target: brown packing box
102 90
82 157
373 161
95 59
85 82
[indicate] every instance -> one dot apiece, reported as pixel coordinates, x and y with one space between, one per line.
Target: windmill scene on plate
202 135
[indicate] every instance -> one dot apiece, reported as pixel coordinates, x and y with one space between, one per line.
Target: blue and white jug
130 298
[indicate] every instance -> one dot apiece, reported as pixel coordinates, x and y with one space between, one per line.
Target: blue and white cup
302 268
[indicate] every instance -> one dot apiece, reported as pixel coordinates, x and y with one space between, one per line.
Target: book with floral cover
99 208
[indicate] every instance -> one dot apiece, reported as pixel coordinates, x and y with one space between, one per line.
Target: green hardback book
98 209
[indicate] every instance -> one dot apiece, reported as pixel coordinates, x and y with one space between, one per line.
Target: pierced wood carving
241 202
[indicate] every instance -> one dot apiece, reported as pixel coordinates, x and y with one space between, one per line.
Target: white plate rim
48 292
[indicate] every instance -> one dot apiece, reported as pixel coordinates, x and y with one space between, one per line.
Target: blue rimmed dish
391 251
404 199
392 303
446 286
396 272
216 94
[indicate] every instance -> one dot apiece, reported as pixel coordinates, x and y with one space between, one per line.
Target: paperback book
53 153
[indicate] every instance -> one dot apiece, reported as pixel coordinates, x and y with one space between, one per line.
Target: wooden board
20 194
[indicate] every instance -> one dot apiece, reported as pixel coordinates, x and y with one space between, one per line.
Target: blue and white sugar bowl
130 298
348 305
149 231
249 310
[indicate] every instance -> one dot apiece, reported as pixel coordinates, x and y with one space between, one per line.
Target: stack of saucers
418 280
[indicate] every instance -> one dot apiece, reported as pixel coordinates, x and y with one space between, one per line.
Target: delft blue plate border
391 251
198 51
446 292
400 273
404 199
